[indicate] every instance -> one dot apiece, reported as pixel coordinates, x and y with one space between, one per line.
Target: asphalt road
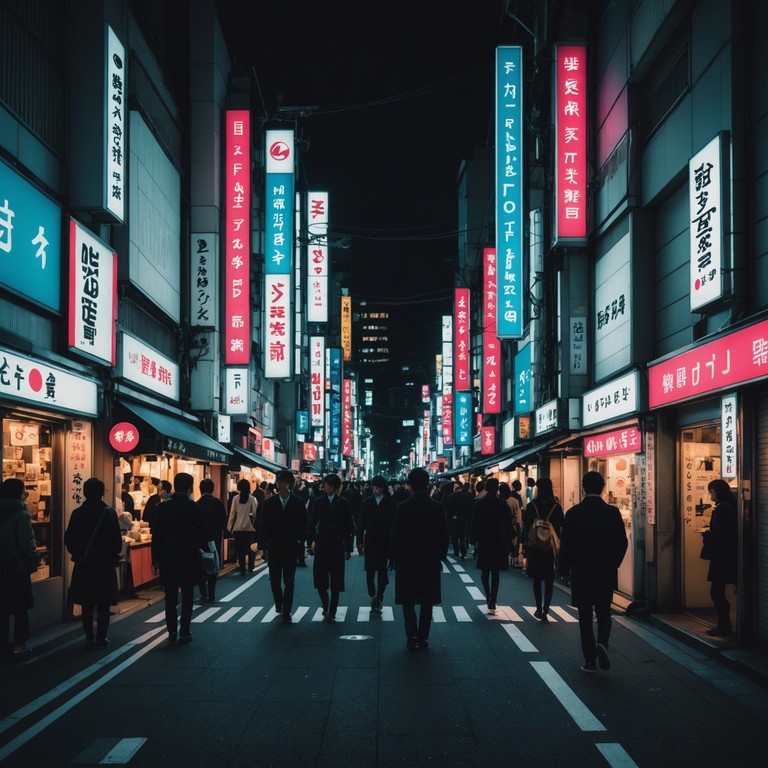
250 690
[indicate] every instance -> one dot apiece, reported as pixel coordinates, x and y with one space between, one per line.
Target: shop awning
179 436
250 459
522 454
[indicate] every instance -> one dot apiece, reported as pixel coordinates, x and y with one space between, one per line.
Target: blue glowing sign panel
523 381
462 423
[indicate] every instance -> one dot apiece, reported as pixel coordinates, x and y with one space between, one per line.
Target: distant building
370 330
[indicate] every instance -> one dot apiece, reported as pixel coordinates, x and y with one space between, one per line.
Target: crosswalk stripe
532 609
562 613
475 593
387 614
158 617
450 559
341 613
299 613
318 615
438 614
461 613
509 613
207 613
466 578
363 613
445 568
499 616
270 615
519 639
227 615
458 568
250 614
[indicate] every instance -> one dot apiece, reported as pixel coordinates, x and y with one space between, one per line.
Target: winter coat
593 544
18 557
283 529
331 529
458 509
492 533
419 544
541 565
94 579
374 530
722 537
178 537
242 516
215 516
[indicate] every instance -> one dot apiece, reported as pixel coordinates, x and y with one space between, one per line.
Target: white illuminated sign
317 381
237 391
204 281
278 333
611 401
146 367
317 257
728 425
115 105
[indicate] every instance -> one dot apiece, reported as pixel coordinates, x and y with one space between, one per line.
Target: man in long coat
374 531
283 525
593 544
178 538
419 544
330 535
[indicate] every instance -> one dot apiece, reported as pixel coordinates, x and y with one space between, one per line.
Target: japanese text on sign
491 345
627 440
203 296
114 123
461 339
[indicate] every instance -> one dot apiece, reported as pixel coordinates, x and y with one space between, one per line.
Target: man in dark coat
215 516
374 530
419 544
151 511
592 547
458 508
330 534
178 538
283 525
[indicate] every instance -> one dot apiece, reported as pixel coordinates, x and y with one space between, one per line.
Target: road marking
341 613
387 614
250 614
445 567
438 614
519 639
248 583
458 568
363 613
299 613
158 617
450 559
616 756
475 593
318 615
498 617
461 613
532 609
206 614
570 701
123 751
41 725
269 615
227 615
509 613
466 578
562 613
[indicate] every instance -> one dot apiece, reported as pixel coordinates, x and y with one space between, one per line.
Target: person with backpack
542 523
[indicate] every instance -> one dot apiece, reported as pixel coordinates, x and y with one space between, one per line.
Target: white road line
519 639
47 698
206 614
498 617
445 567
41 725
461 613
450 559
475 593
532 609
387 614
247 584
563 614
122 752
616 756
318 615
572 704
341 613
509 613
363 613
270 615
458 568
250 614
438 615
158 617
299 613
227 615
466 578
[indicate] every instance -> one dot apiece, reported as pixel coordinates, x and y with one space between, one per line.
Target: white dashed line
616 756
572 704
519 639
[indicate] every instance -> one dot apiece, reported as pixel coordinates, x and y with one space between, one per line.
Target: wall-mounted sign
491 345
237 391
115 105
462 423
79 448
279 202
204 281
447 418
728 435
611 401
302 422
346 327
523 394
487 441
318 262
317 380
124 437
425 398
461 317
222 428
309 452
268 448
578 344
548 417
613 309
628 440
278 331
146 367
346 418
92 295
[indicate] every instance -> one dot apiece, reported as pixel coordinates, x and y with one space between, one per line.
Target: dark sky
403 92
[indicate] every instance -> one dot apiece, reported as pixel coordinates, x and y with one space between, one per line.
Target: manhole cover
356 637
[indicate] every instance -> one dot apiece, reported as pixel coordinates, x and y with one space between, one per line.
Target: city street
491 691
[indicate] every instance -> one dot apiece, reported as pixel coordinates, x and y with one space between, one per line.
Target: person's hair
504 491
379 482
126 486
530 482
93 488
722 491
183 482
154 480
245 490
544 485
206 485
517 485
333 480
12 488
418 479
466 487
287 475
491 486
480 486
593 482
166 486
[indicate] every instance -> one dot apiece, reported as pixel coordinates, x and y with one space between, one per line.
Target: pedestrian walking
541 562
420 541
18 559
593 545
215 516
330 534
492 534
374 531
94 541
284 526
720 546
459 512
506 495
152 507
242 514
178 540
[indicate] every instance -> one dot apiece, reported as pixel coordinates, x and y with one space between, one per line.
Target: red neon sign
491 345
461 340
617 441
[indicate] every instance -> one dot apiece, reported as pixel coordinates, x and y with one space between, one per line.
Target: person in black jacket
215 516
374 530
458 508
178 538
283 525
94 541
419 545
593 544
330 534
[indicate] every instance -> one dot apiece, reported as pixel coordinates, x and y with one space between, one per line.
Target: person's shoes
242 574
210 599
589 666
374 605
278 608
720 632
544 616
422 645
89 644
492 609
331 618
412 643
602 656
379 604
537 614
103 643
325 612
20 650
287 618
185 637
171 637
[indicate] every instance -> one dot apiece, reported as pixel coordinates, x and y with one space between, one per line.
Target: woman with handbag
93 539
242 512
541 559
18 559
721 544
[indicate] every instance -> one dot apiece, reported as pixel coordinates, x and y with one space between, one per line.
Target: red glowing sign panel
346 418
487 441
447 420
491 345
237 249
461 340
571 139
310 451
124 437
617 441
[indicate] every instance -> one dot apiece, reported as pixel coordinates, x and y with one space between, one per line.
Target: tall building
371 335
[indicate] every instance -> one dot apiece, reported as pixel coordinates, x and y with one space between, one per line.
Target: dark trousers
280 574
243 541
459 537
208 580
491 587
171 599
301 554
548 589
601 603
720 601
329 608
20 627
371 579
421 629
102 621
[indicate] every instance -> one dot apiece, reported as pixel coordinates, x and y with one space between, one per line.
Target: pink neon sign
617 441
461 340
491 345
